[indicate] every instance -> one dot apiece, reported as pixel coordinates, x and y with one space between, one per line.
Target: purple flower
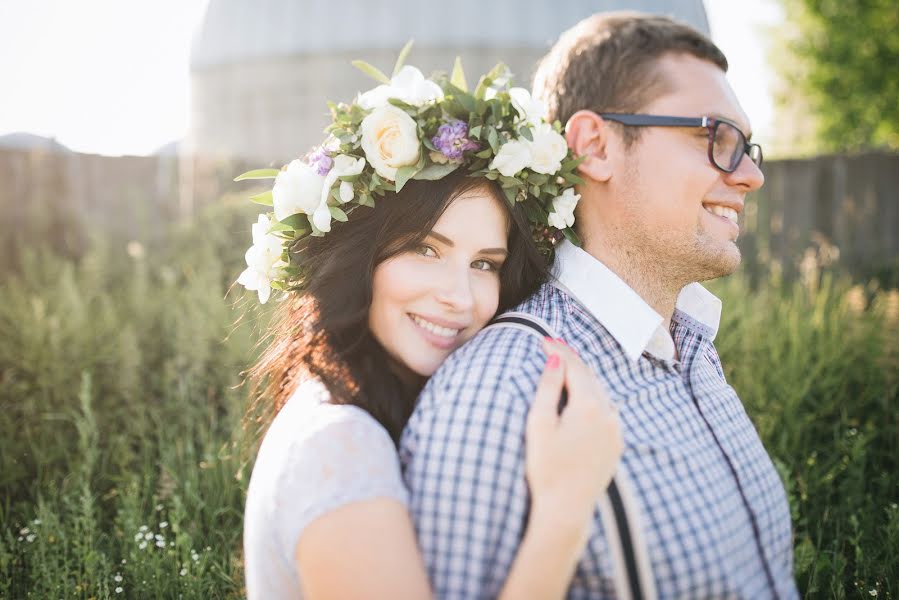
451 141
320 160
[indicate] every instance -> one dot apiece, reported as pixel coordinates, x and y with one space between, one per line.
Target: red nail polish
552 362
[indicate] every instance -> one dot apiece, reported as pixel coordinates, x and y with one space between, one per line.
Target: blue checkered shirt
463 453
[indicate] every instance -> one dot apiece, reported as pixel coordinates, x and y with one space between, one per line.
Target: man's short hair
606 63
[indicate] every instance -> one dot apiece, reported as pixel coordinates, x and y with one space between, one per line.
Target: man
657 214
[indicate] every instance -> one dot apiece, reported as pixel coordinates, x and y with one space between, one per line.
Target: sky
111 76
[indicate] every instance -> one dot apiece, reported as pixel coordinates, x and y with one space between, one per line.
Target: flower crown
410 127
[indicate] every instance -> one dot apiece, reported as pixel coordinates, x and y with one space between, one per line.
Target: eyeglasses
727 144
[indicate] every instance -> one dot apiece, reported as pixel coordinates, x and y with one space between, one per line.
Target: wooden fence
827 209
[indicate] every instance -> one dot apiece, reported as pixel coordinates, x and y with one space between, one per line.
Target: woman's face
429 300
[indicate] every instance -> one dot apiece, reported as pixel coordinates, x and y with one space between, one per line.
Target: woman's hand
570 458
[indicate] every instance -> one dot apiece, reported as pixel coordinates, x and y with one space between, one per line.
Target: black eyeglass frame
709 123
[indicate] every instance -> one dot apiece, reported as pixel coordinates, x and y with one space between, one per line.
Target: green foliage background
840 61
125 453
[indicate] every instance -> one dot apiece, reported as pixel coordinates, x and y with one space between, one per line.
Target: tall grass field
125 445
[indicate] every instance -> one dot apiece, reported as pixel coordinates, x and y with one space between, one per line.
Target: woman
378 301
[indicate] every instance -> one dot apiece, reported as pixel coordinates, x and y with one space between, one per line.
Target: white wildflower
562 214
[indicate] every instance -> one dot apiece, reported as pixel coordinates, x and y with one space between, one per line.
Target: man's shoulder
503 353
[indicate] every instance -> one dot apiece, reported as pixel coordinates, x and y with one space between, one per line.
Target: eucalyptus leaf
475 131
297 221
338 214
493 139
436 171
402 57
265 198
526 133
258 174
372 72
404 174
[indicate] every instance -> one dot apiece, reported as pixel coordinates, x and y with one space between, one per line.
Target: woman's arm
365 549
368 548
570 459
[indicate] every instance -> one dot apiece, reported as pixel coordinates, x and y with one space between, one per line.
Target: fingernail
561 341
546 338
552 362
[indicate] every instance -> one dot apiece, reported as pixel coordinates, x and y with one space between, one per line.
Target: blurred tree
839 61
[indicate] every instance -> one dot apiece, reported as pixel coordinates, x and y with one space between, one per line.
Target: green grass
125 453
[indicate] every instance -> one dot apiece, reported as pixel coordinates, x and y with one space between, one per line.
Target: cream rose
512 157
548 149
390 140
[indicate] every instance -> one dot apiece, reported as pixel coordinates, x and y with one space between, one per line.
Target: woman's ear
587 135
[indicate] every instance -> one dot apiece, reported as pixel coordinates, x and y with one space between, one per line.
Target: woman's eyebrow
445 240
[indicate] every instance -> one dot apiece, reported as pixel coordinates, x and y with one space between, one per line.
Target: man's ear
587 135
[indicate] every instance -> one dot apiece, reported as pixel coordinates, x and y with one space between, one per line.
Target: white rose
298 189
548 149
562 215
529 109
409 85
512 157
390 140
263 260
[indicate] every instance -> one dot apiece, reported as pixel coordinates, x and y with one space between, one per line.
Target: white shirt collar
635 325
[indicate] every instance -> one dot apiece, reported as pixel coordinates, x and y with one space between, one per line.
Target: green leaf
493 139
458 76
371 71
265 198
402 57
297 221
366 200
277 226
510 195
436 171
258 174
404 174
486 153
571 236
572 178
338 214
467 101
526 133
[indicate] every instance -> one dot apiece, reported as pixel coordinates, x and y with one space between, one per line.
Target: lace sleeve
343 456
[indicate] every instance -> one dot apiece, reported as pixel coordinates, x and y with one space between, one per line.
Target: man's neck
649 280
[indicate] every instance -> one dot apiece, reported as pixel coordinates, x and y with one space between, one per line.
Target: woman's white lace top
314 458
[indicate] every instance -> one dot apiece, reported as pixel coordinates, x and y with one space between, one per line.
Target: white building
262 71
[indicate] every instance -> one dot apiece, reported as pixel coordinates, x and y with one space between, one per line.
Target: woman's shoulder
311 428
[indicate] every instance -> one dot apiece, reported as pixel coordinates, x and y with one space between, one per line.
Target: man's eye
484 265
425 250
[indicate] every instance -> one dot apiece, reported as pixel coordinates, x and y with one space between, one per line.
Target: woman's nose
455 289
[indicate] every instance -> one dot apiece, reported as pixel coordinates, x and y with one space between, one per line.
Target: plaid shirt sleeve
463 458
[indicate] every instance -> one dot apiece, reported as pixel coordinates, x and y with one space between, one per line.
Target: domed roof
238 30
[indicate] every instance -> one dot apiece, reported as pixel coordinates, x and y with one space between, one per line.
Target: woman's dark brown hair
324 332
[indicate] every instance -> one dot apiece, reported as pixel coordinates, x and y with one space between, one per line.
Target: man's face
670 192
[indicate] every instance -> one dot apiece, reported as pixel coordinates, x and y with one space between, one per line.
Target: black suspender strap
627 549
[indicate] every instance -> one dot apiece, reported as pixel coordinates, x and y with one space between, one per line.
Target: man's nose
747 175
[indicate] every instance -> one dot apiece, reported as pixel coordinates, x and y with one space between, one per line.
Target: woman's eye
425 250
484 265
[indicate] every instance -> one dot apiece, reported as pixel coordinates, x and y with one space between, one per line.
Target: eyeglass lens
729 145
